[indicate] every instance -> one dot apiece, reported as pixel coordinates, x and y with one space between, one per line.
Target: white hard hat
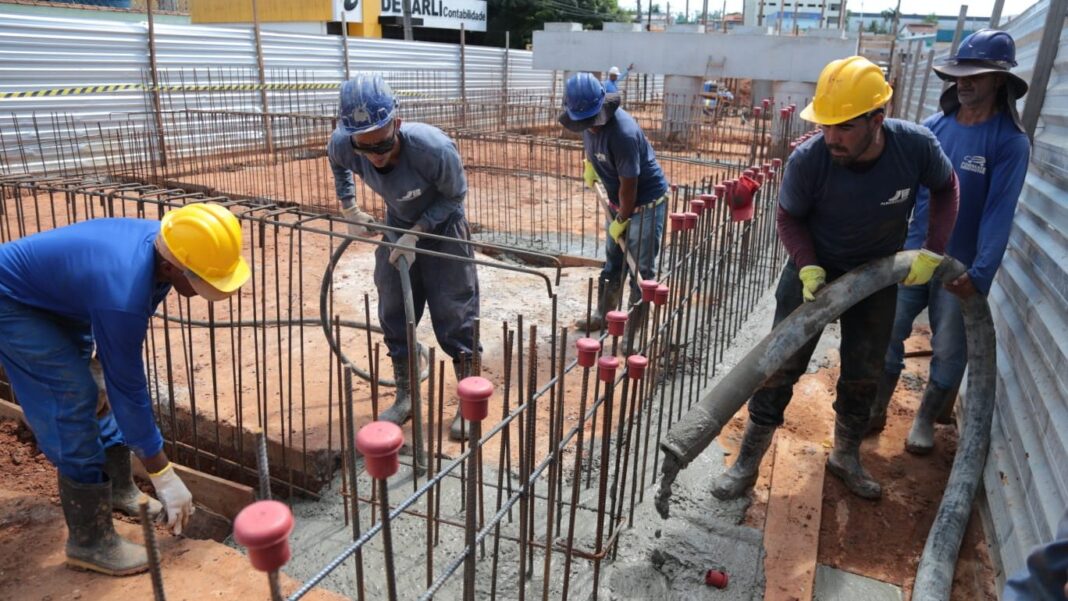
613 71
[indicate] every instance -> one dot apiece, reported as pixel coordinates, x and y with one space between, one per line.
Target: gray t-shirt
858 216
426 186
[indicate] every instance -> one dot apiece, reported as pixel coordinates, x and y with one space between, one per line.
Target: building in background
786 15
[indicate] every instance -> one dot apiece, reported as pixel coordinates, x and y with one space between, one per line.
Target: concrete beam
776 58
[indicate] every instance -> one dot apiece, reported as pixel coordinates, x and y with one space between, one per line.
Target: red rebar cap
648 290
716 578
793 107
793 145
661 295
784 112
697 206
766 102
776 163
379 442
677 221
263 528
766 167
749 172
636 365
720 190
474 393
760 178
707 197
757 110
691 221
587 351
606 369
617 321
674 187
729 185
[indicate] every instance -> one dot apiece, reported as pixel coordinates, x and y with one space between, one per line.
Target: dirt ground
33 534
882 540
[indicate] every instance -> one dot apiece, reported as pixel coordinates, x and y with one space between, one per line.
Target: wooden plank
792 530
221 496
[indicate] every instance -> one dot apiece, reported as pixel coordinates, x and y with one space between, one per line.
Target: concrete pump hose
691 435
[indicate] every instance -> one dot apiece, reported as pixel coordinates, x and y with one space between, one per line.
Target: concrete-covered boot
460 428
632 336
124 493
401 410
844 461
921 436
736 481
885 390
92 543
608 296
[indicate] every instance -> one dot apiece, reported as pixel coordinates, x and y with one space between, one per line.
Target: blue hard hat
367 103
989 45
583 96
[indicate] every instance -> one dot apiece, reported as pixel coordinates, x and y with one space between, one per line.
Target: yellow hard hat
205 239
847 88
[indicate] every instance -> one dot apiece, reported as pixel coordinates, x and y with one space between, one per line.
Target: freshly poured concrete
836 585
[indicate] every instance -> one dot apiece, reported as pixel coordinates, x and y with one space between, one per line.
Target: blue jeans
448 287
46 357
948 342
865 331
644 233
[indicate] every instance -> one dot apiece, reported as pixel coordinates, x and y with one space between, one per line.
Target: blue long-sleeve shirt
426 187
101 272
612 87
990 159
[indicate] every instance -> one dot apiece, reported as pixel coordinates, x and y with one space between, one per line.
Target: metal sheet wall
1025 481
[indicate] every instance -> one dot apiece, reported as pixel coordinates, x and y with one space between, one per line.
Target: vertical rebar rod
152 548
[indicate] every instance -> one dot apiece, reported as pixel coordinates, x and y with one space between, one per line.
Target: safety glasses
382 147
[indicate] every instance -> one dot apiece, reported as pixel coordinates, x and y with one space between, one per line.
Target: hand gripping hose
691 435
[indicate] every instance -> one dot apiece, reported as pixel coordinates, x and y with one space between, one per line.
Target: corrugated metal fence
1026 482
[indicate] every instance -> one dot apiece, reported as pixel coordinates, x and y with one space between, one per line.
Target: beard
849 158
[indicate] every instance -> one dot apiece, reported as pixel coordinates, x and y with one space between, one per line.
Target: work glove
176 498
354 213
589 176
408 252
813 277
922 268
617 228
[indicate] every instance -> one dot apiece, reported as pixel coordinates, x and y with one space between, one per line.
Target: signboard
352 9
441 14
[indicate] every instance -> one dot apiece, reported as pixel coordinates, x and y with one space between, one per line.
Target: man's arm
628 197
451 183
343 184
1006 183
942 214
795 237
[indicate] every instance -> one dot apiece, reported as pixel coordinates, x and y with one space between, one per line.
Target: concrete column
682 108
761 90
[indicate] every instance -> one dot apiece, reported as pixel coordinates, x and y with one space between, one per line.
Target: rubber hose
693 433
324 320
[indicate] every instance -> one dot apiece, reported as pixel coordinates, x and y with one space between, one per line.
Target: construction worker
618 155
1044 576
981 133
611 84
417 170
845 200
99 282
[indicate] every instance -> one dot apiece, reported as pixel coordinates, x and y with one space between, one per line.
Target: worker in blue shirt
618 154
1044 577
615 78
99 282
981 133
417 171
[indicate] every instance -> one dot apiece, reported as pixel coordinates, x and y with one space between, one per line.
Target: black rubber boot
921 436
124 493
736 481
608 296
401 410
459 429
877 421
844 461
946 416
632 336
92 543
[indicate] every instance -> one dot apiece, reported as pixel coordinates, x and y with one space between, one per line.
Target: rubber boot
632 336
946 416
844 461
885 390
92 543
401 410
608 296
921 436
459 429
124 493
736 481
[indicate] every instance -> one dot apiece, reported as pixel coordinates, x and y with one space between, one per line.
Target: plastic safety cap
263 528
474 393
379 443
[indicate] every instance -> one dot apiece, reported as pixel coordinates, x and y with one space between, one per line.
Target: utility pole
406 10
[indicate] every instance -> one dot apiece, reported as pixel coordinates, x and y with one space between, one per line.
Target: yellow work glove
617 228
922 268
813 277
589 176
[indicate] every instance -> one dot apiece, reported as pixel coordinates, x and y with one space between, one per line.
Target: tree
931 19
523 17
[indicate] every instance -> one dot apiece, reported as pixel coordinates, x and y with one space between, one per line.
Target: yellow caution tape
136 87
